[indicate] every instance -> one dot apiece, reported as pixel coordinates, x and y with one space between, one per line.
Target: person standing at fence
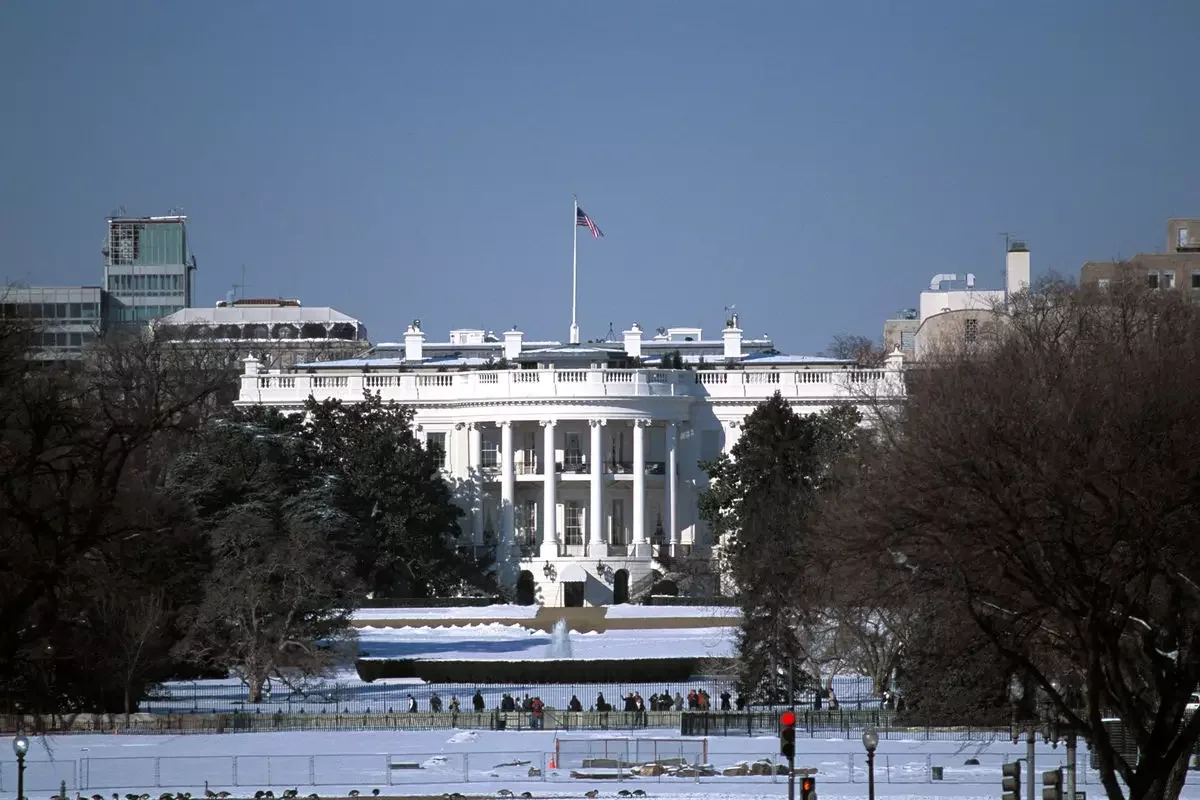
435 703
679 701
412 704
454 708
575 706
477 701
536 706
725 697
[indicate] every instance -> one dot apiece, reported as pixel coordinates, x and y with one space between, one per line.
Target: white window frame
573 523
443 443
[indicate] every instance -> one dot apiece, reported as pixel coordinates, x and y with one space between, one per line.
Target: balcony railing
528 468
411 387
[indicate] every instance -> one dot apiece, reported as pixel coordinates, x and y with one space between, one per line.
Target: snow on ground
626 611
499 612
483 762
517 643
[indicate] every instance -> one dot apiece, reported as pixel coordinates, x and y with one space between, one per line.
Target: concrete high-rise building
147 267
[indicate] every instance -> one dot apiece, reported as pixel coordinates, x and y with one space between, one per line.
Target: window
1168 279
1183 238
573 455
573 524
971 329
907 341
1102 283
1195 279
1152 280
491 454
616 522
710 445
527 522
436 444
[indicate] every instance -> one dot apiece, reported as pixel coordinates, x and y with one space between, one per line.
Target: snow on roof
240 315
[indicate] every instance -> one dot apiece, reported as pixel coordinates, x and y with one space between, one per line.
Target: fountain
560 641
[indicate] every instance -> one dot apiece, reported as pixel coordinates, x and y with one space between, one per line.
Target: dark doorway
526 589
621 586
573 594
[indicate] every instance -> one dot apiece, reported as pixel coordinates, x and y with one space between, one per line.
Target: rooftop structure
278 332
578 464
956 309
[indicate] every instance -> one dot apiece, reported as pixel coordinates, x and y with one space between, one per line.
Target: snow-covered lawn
484 762
492 641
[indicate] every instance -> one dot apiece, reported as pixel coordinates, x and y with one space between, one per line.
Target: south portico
576 506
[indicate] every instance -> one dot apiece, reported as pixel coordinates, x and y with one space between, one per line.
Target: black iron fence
814 725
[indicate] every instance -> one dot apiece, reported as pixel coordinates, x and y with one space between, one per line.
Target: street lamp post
870 740
20 747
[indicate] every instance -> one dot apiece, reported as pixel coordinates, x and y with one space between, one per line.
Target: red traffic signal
808 788
787 719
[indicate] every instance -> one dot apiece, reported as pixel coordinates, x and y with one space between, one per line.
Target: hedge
641 670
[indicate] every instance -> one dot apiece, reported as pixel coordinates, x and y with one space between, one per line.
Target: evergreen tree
280 592
406 531
760 508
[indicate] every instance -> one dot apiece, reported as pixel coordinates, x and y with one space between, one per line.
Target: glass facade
147 268
66 318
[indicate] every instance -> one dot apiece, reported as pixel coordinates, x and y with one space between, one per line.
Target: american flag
583 220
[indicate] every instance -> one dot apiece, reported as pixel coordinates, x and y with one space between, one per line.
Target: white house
578 462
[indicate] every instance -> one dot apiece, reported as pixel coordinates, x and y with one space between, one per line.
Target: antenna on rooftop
731 317
612 335
241 286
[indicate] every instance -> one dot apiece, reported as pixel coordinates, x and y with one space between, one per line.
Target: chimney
413 339
732 336
1016 268
633 341
512 344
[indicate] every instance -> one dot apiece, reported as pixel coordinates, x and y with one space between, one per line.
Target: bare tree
75 440
1049 484
863 350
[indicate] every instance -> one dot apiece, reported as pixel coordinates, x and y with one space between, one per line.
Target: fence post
387 768
312 770
157 773
235 775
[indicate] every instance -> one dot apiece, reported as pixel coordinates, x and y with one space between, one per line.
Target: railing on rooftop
570 383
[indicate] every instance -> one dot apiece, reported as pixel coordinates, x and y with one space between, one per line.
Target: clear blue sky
813 162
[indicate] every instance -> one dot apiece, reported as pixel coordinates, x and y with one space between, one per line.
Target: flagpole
574 270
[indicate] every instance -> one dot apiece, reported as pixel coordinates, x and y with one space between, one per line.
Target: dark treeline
1014 540
147 531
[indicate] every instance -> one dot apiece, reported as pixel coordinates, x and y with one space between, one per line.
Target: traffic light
1012 781
808 788
1052 784
787 734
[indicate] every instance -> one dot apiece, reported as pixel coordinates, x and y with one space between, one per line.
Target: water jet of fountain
560 641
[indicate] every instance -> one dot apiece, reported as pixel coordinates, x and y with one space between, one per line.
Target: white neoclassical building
578 463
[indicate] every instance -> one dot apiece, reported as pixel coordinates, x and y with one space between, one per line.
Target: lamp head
20 744
870 739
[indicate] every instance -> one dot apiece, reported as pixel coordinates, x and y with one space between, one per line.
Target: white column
474 471
549 502
597 546
672 485
507 494
640 547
